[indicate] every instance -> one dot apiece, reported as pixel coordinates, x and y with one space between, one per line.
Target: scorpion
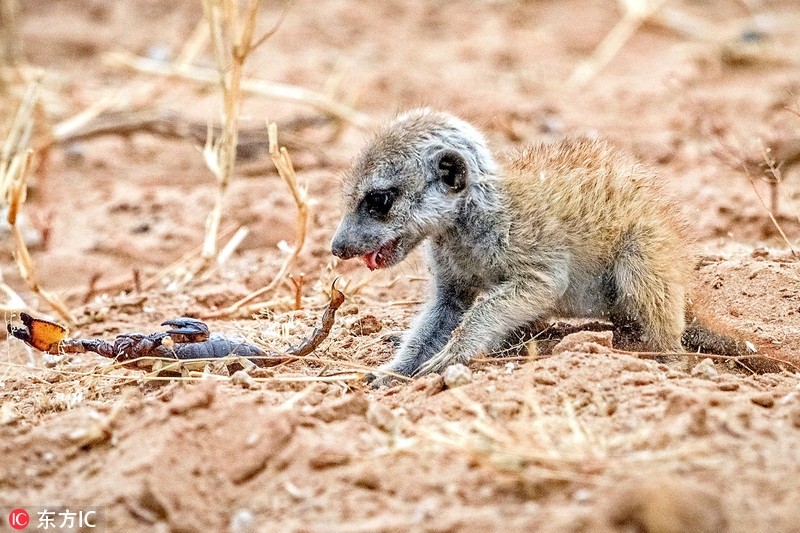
188 339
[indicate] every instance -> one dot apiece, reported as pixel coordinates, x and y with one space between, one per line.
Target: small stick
137 280
769 212
276 91
298 282
91 288
280 157
228 250
636 13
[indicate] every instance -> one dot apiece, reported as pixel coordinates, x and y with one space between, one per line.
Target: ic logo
19 518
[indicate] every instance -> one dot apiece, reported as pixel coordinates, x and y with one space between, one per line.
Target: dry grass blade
769 211
15 166
636 13
231 38
275 91
280 157
733 157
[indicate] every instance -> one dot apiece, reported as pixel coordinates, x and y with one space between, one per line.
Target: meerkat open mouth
380 258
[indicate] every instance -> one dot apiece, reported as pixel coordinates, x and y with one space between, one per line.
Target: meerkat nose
341 250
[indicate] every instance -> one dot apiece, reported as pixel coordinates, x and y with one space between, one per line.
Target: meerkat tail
701 336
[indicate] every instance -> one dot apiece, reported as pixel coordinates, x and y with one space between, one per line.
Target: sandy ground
585 440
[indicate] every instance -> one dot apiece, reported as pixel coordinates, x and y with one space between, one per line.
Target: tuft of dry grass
232 35
280 157
16 159
775 182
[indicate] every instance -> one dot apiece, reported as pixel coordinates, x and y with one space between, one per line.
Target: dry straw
280 157
232 41
16 160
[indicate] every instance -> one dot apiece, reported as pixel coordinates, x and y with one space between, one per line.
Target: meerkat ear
452 169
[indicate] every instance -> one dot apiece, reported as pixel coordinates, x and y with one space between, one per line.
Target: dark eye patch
378 203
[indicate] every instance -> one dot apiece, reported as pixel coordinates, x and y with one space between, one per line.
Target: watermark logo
54 518
19 518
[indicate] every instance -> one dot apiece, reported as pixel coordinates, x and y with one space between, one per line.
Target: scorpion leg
187 330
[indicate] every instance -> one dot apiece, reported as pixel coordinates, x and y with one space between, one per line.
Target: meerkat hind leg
648 300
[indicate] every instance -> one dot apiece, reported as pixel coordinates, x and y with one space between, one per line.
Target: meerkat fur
575 228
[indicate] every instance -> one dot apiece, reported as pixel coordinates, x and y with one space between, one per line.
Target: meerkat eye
452 170
378 203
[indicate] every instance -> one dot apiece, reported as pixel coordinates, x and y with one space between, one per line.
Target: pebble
243 379
705 369
457 375
243 521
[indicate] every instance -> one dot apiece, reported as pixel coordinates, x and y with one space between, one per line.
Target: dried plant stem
769 212
231 38
15 166
636 13
275 91
280 157
234 242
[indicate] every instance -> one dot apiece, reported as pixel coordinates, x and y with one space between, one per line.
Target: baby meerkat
572 229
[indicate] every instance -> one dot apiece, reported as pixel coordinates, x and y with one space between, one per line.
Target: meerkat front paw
440 361
385 376
379 382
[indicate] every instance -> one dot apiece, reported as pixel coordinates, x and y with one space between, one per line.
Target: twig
769 211
275 91
232 245
636 13
298 282
280 157
167 124
91 289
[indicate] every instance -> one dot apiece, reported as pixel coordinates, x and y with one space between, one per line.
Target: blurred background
706 91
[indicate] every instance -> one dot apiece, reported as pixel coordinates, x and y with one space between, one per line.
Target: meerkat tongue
371 260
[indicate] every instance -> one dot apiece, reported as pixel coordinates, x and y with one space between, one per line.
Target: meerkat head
409 183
